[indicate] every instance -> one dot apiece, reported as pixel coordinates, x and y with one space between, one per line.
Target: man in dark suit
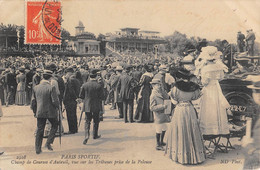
84 73
137 74
92 93
36 77
60 82
240 41
126 85
111 89
117 99
11 84
46 102
71 94
250 41
28 88
228 53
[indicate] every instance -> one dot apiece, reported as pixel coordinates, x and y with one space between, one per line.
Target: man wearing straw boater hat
45 109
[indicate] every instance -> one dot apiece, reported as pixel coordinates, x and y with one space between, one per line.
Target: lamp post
5 33
156 51
18 37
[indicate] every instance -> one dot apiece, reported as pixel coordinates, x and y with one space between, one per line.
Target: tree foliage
101 37
179 43
65 34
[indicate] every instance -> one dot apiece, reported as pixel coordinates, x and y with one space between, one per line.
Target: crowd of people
51 84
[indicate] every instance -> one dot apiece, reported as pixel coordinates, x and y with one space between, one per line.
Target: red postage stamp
43 22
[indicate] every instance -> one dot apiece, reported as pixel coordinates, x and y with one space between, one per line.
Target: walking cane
59 119
80 115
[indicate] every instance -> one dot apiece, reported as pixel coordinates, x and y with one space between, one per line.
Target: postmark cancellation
43 22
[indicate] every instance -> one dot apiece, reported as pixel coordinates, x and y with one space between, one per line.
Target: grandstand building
133 40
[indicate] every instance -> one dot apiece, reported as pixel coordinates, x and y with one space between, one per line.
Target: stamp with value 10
43 22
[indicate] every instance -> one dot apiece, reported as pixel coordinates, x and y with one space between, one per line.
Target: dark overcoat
46 99
92 93
72 89
126 85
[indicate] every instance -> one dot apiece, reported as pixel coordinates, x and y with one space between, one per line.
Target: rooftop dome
80 24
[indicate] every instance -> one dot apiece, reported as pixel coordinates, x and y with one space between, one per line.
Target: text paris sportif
75 159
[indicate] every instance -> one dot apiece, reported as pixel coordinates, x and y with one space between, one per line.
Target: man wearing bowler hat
45 99
126 85
92 94
71 94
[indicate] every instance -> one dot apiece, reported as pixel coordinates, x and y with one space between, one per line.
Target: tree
65 34
179 43
101 37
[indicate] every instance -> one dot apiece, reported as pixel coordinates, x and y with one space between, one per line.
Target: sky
214 19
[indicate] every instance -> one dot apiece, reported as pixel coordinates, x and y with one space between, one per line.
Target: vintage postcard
84 84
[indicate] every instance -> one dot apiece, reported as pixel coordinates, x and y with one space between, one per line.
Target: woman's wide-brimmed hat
210 53
183 73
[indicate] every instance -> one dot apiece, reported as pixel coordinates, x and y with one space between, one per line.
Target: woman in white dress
213 106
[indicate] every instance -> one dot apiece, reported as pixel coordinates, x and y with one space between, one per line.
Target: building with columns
84 43
131 39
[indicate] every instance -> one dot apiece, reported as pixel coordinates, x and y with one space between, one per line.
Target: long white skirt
212 115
